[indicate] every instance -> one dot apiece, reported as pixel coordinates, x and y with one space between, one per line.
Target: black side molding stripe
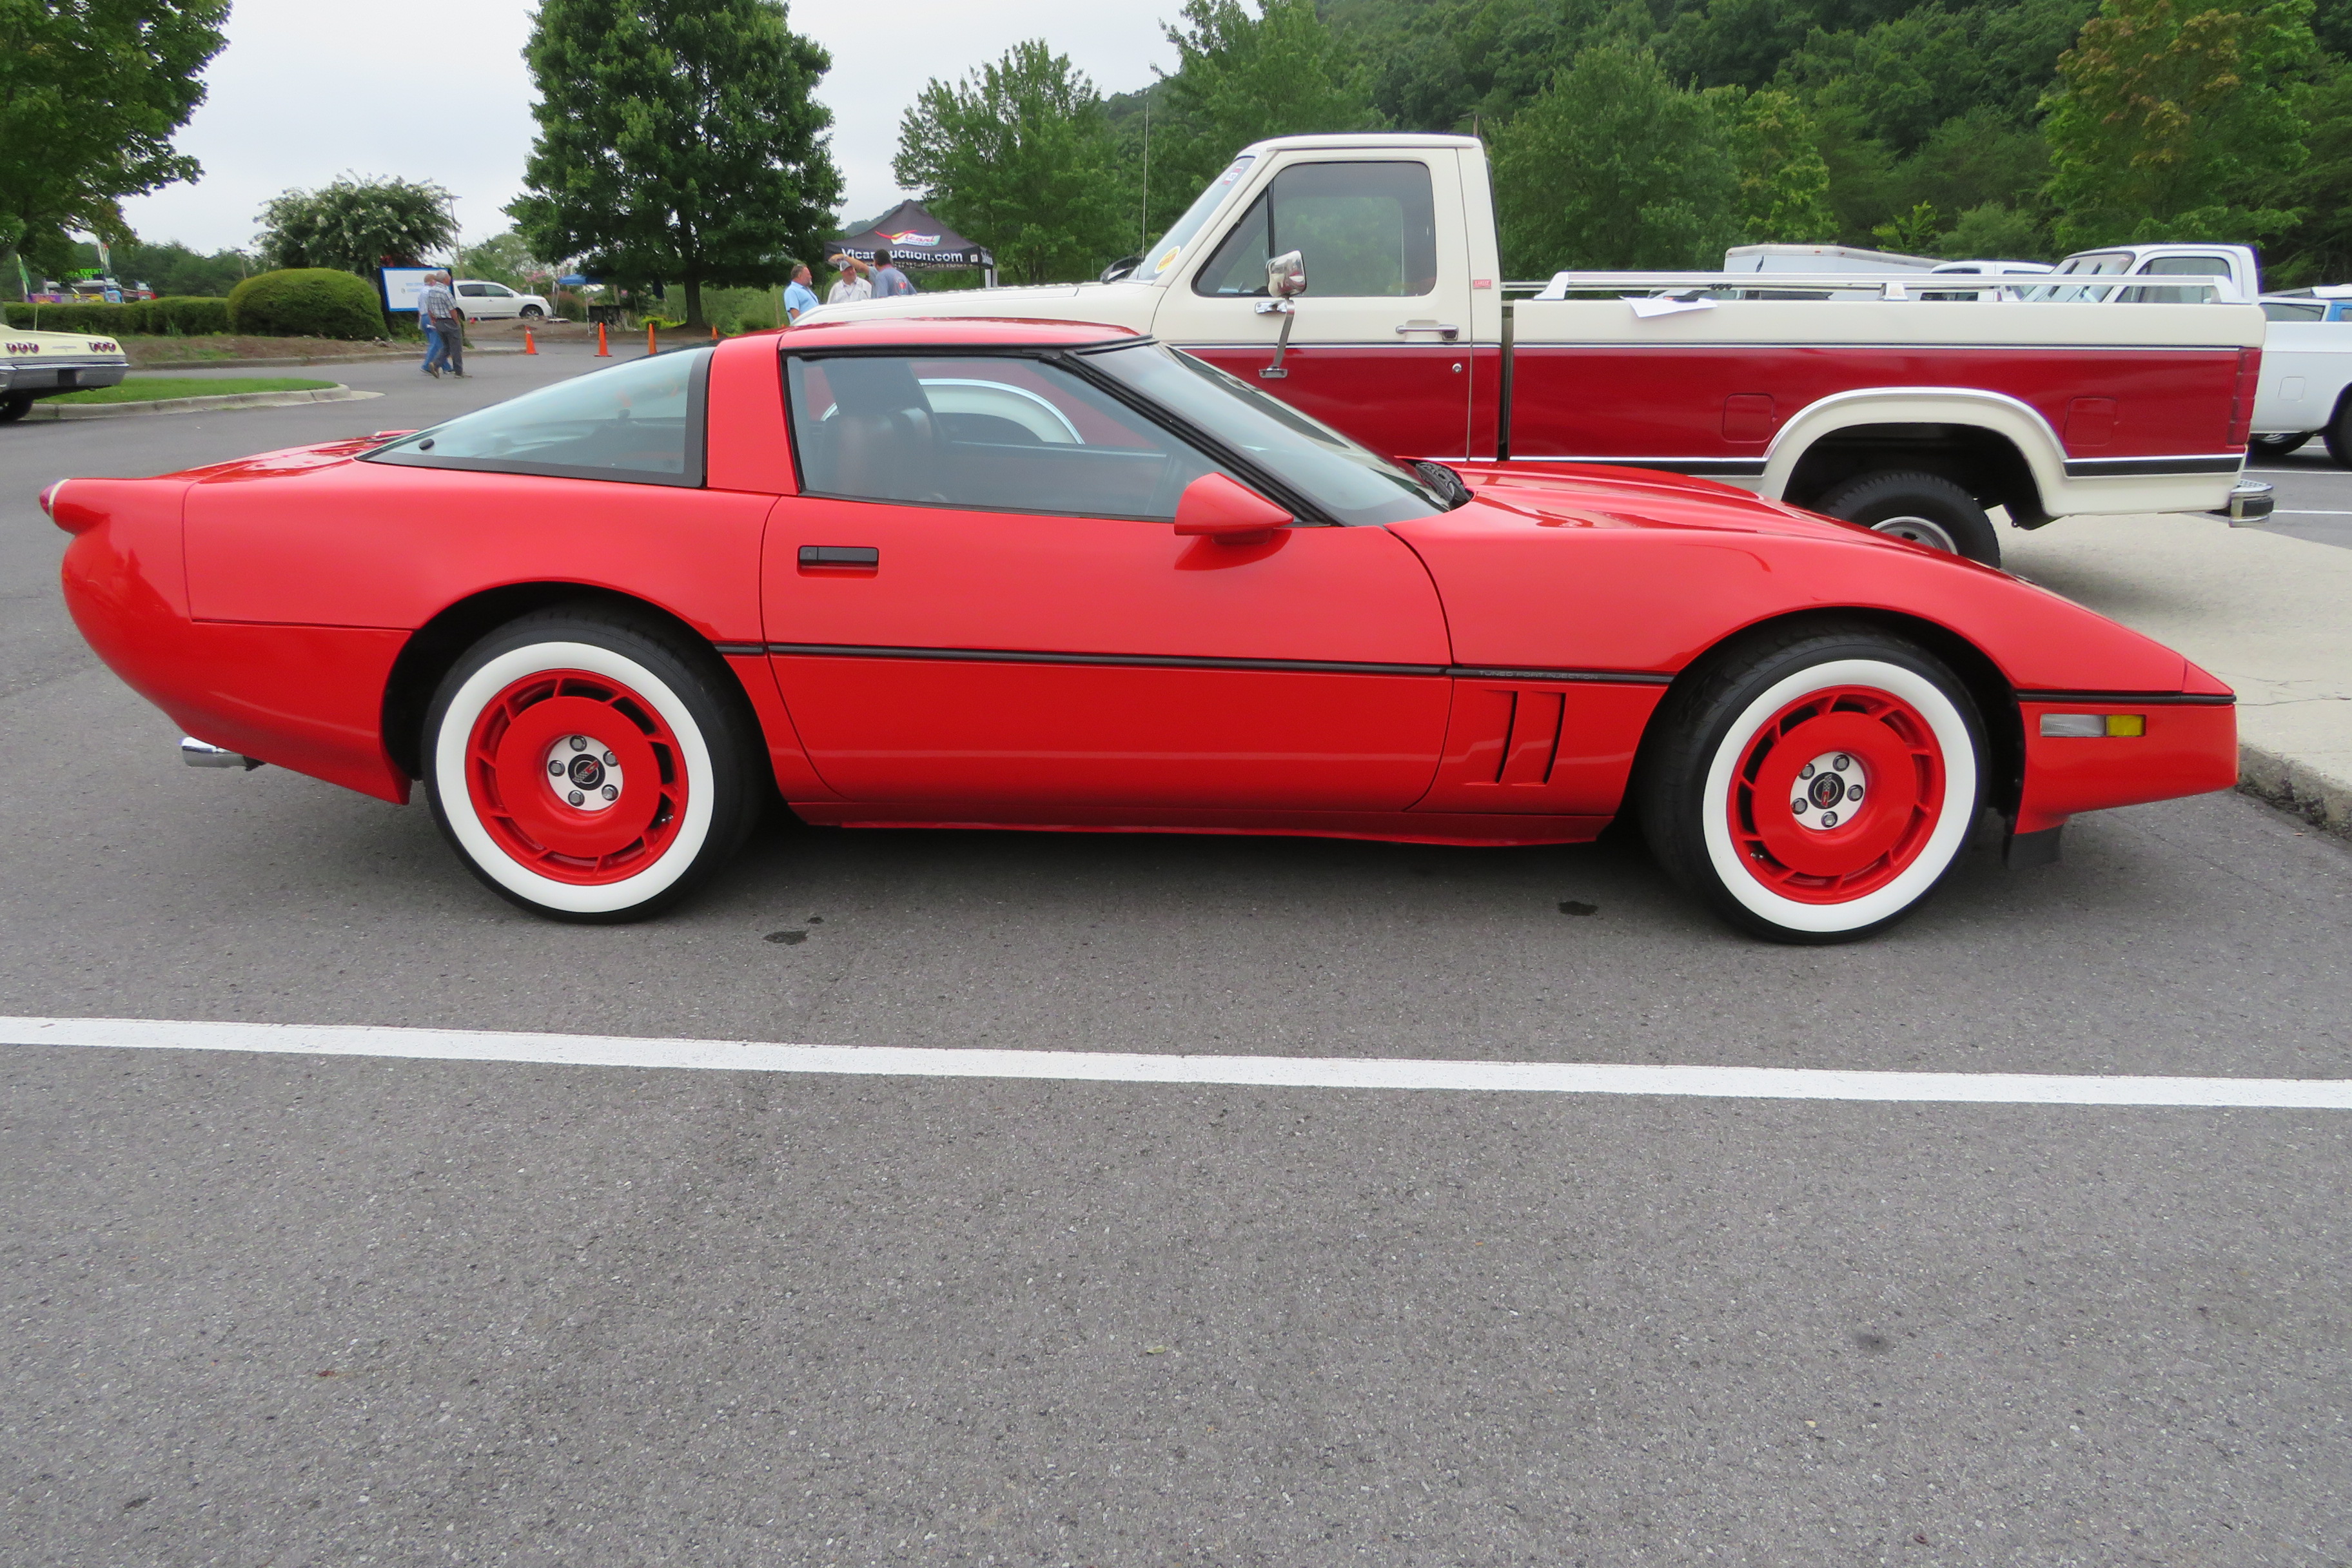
730 650
1606 677
2106 468
2134 699
1172 661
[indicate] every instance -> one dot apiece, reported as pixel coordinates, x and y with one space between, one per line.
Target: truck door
1380 343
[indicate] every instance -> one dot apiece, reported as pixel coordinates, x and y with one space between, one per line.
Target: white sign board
402 284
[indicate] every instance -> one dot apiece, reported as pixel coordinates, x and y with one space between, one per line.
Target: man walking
445 329
799 298
889 281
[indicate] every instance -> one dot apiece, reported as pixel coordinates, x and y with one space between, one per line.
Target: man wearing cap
799 298
851 286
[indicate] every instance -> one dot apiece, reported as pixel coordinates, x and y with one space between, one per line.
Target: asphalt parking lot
270 1309
2314 494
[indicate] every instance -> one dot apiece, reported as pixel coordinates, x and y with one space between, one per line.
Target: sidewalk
2269 615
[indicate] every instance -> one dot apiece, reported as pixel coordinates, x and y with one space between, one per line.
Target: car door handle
862 558
1445 329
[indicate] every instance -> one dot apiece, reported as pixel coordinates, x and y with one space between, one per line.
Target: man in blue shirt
799 298
889 281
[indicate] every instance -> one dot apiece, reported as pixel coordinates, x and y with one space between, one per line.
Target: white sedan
483 302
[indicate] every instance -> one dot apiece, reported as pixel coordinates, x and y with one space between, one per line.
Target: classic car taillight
2241 401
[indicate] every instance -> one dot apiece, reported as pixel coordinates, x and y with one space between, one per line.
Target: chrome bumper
2248 502
199 755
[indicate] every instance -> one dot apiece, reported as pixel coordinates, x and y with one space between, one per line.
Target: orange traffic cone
528 347
714 331
650 347
603 351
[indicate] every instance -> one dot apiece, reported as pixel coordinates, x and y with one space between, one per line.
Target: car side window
639 421
497 292
985 433
1365 230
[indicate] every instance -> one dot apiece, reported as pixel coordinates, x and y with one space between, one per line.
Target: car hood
1581 495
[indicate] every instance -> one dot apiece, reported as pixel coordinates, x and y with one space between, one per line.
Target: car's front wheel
590 767
1814 785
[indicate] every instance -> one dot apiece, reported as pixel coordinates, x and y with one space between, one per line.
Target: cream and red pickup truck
42 365
1911 416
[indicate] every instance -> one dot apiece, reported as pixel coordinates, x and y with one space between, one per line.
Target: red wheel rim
540 758
1836 794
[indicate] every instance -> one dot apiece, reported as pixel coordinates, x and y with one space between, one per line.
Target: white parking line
2306 511
1264 1073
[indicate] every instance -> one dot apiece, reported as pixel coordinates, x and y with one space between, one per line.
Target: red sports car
1032 574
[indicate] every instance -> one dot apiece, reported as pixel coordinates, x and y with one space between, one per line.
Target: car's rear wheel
588 766
2277 445
1925 509
1814 785
15 406
531 313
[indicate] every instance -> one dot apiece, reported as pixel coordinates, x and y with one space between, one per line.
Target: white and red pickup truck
1912 415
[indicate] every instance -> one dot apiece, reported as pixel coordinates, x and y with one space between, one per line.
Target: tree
1910 233
1615 166
1784 183
2172 123
89 96
504 258
357 225
1993 233
1240 79
680 140
1018 156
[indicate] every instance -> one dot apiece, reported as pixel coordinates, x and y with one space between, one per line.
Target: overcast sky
435 89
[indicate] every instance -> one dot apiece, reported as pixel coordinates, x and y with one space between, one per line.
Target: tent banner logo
909 236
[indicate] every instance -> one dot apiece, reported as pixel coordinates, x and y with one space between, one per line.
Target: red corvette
1030 575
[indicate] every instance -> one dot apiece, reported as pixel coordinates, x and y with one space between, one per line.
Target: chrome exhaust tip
199 754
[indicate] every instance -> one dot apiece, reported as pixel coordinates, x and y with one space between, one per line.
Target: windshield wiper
1444 481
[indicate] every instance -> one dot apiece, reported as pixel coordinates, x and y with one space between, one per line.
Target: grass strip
149 389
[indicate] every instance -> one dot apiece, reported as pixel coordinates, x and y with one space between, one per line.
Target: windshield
1172 243
2099 263
1348 482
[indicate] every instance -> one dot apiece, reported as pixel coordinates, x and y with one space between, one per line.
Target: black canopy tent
914 238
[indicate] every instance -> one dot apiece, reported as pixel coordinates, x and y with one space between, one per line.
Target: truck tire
1922 508
2277 445
2338 435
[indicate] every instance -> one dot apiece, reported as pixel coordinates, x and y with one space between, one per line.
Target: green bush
306 303
183 317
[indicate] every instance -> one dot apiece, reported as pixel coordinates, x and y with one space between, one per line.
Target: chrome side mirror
1285 276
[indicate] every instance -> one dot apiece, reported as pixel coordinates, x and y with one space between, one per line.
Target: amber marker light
2093 726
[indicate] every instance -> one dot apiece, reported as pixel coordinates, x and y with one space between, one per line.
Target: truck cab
2237 263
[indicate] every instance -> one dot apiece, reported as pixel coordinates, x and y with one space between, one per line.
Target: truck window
2286 310
1367 231
2176 267
1171 244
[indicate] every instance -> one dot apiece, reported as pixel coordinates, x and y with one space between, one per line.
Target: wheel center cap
1831 791
582 773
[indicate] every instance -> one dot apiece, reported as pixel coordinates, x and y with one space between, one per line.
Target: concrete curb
404 355
51 411
2320 799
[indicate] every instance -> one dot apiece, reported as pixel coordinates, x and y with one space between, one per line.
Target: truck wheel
1921 507
2276 446
15 406
1815 784
2338 435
